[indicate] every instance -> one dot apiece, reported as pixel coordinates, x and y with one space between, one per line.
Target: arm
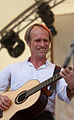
4 84
70 93
5 77
69 79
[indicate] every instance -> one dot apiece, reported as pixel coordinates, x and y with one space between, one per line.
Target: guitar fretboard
43 84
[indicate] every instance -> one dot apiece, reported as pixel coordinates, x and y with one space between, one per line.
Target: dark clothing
45 115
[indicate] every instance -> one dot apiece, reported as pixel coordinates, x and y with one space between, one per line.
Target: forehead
39 30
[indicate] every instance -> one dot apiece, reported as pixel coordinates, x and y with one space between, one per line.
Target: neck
37 62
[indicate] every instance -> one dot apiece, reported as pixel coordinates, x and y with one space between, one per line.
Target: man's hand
68 75
4 102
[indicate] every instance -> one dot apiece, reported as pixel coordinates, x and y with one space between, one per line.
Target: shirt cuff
66 97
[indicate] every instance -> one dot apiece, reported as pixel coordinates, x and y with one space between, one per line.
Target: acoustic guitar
29 100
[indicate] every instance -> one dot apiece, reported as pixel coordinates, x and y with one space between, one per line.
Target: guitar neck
43 84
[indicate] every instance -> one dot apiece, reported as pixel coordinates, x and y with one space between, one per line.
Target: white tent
10 9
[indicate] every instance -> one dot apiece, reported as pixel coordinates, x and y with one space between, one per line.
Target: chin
42 56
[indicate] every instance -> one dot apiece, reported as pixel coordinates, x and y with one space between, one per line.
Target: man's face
39 44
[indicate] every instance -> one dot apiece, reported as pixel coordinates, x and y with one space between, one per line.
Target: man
38 37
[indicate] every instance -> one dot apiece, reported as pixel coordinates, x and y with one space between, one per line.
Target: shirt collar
43 66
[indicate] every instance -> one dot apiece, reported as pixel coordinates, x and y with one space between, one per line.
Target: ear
29 44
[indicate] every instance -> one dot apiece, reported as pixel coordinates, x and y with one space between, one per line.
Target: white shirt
18 74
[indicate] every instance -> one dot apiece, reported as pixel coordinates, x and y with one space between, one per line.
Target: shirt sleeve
5 76
61 90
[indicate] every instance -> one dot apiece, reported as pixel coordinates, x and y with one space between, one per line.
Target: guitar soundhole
21 97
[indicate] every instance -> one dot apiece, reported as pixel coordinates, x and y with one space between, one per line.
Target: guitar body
29 107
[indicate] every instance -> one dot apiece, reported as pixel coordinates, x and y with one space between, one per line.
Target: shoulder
18 64
53 66
50 64
14 66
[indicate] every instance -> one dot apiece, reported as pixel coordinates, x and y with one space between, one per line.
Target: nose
42 43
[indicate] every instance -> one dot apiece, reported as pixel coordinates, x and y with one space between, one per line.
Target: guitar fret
50 80
43 85
47 82
32 90
54 78
58 76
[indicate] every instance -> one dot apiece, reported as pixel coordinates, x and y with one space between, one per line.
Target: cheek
47 47
47 44
35 45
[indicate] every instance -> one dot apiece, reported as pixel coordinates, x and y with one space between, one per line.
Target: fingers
68 75
4 102
65 73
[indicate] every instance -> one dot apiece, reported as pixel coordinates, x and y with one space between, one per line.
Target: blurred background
57 15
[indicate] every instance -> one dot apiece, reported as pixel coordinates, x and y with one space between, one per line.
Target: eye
46 40
38 40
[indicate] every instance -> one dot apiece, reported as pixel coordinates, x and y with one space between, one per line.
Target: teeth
41 48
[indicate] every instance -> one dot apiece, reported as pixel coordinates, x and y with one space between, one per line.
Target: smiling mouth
42 49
